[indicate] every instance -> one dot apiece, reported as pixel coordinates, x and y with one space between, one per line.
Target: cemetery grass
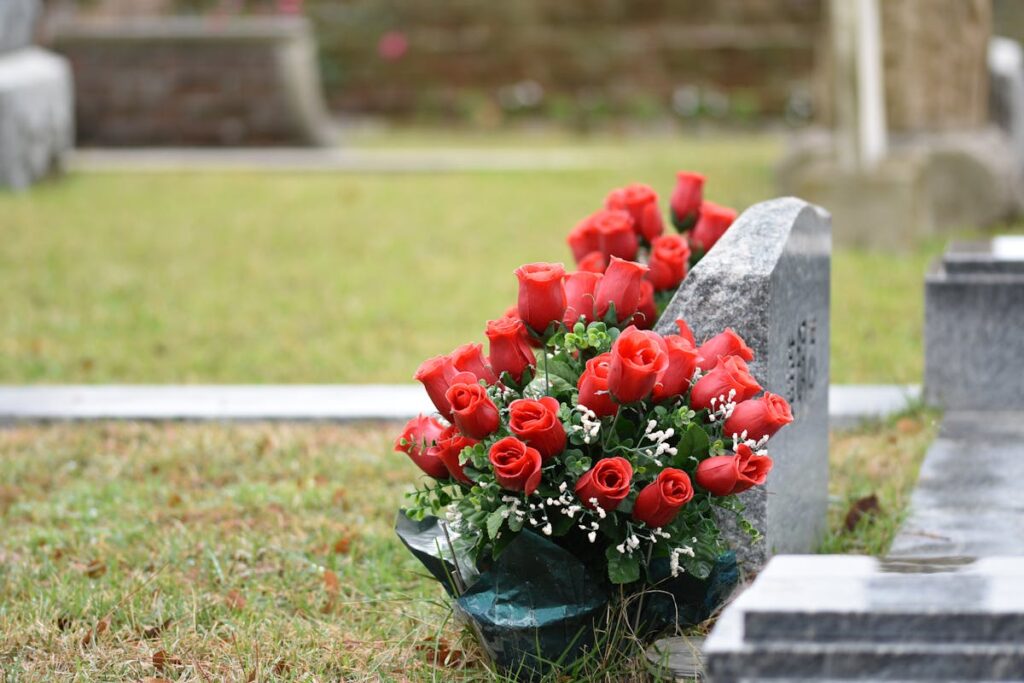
290 277
192 552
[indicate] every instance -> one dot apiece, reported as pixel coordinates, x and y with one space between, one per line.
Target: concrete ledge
333 402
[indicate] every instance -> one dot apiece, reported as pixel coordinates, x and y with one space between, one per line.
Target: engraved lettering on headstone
802 361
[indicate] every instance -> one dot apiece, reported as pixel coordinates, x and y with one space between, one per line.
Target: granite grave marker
768 279
36 100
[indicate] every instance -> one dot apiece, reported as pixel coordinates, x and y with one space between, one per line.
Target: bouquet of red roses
606 442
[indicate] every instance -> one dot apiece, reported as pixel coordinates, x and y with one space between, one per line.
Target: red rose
646 311
593 386
541 294
686 332
583 239
724 344
639 357
640 202
595 262
470 358
579 296
537 423
682 361
759 418
660 501
686 199
731 374
713 222
608 482
670 255
621 286
510 347
473 411
724 475
419 435
516 465
615 233
437 374
449 451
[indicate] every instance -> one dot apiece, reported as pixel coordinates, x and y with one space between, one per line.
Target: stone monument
974 327
905 148
768 279
36 107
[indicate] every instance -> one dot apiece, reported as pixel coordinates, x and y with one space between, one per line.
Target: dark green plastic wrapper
537 606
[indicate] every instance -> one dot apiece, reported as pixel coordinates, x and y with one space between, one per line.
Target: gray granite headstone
845 618
974 327
36 100
17 23
768 279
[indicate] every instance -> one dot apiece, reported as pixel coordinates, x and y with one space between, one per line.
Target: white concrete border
849 404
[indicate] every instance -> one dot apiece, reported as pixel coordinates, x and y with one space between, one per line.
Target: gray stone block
17 23
967 502
854 618
36 115
974 327
768 279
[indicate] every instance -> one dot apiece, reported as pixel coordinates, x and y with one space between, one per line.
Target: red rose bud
516 465
670 255
473 411
722 345
731 374
713 222
758 418
725 475
660 502
511 312
541 294
640 202
686 199
593 386
470 358
615 234
510 347
647 311
583 239
419 435
579 296
621 286
608 482
686 332
595 262
449 451
437 374
682 361
537 423
639 358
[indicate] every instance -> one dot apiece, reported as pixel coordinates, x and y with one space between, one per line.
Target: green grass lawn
194 552
290 277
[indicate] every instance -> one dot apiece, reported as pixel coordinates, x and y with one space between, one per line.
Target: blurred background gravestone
36 124
907 148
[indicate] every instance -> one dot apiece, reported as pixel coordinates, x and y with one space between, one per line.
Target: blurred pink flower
289 6
393 45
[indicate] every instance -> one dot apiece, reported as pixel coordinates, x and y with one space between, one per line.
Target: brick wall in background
741 57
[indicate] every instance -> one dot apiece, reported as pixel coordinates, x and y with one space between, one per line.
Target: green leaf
622 568
693 443
495 521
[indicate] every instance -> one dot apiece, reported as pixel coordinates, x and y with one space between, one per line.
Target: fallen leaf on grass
92 634
173 500
440 653
908 425
155 679
332 585
95 569
343 545
340 498
234 600
162 660
154 631
868 505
